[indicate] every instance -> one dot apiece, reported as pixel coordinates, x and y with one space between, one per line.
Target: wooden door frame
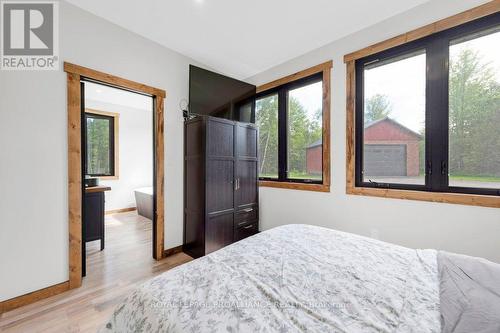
74 74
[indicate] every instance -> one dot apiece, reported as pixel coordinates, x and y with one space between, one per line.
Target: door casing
75 74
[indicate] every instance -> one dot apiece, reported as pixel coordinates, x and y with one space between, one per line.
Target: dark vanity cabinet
93 217
220 184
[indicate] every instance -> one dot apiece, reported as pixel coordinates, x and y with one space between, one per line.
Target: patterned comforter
294 278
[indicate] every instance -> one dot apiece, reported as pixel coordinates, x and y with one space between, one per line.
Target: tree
267 121
98 146
302 131
377 107
474 104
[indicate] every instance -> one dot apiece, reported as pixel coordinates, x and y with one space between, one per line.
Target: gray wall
33 146
464 229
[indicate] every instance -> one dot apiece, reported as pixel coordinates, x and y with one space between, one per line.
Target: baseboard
32 297
172 251
121 210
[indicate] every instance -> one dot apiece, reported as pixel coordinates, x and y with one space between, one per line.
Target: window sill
451 198
295 186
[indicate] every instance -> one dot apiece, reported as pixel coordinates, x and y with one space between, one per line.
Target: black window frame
111 121
436 48
282 93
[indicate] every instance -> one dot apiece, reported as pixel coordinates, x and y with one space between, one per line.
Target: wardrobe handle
248 226
248 210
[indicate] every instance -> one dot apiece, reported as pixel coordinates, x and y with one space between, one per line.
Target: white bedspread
294 278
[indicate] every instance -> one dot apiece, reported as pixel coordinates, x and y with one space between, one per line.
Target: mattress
294 278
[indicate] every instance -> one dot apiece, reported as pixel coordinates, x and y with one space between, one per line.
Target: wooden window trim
295 186
324 68
351 188
441 25
116 121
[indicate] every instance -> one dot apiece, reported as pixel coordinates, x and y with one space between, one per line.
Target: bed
302 278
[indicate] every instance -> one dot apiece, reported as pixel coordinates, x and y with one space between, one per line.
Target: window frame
436 45
359 125
281 87
114 142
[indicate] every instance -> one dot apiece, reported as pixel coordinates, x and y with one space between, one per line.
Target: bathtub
144 201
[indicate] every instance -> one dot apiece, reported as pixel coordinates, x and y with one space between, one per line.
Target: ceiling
244 37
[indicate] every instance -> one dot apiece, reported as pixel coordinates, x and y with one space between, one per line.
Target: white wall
464 229
33 146
135 153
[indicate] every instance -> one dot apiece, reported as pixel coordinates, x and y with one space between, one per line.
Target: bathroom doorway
78 78
118 187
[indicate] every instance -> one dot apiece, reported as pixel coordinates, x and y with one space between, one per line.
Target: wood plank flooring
111 274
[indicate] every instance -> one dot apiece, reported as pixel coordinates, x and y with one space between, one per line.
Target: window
101 141
394 120
428 113
305 140
474 104
266 115
291 118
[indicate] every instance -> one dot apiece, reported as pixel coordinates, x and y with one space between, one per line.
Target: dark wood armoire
221 197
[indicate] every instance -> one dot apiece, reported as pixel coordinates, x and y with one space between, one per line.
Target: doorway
75 76
117 166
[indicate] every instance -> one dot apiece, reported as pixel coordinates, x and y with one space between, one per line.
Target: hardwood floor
111 274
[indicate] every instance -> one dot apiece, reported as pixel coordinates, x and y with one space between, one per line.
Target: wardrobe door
219 184
220 166
246 175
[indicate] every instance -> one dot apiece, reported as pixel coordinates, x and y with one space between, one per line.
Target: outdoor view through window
304 124
99 145
474 104
266 114
305 144
394 120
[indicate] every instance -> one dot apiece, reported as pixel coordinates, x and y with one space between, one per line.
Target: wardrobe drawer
246 215
246 231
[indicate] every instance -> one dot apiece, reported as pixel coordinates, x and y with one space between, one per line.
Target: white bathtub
144 201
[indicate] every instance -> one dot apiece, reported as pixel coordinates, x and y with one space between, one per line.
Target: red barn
314 158
390 149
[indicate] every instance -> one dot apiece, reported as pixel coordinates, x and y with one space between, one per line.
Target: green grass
268 175
490 179
293 175
303 175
